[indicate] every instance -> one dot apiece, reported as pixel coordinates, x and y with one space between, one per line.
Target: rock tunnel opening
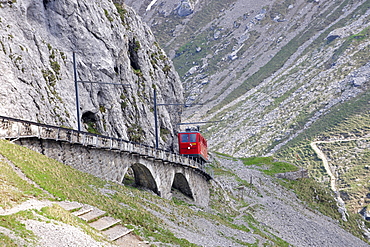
90 121
181 184
140 177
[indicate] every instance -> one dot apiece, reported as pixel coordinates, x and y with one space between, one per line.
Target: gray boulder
185 8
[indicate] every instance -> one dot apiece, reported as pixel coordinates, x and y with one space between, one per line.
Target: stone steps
92 215
104 223
109 226
83 210
70 206
116 232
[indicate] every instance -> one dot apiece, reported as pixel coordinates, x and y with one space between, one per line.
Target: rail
11 129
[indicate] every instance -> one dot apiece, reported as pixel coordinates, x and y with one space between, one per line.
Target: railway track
13 129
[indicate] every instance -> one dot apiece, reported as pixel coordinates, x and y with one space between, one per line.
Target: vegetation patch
122 12
14 223
335 117
110 18
273 167
135 133
13 189
5 240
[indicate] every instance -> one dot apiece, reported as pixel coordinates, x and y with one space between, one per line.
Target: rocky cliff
112 45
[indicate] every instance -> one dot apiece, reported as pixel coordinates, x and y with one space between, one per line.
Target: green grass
14 223
66 183
225 155
13 189
7 242
335 117
273 167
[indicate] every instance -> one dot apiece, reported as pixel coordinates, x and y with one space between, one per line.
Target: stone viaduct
110 158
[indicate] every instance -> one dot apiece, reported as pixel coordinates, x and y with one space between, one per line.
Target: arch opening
180 183
139 176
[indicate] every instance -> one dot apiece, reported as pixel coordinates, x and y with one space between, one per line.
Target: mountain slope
280 75
268 69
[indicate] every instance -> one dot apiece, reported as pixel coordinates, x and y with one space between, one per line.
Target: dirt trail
325 162
333 179
324 159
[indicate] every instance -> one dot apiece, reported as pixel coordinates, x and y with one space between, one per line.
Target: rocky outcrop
112 45
302 173
185 8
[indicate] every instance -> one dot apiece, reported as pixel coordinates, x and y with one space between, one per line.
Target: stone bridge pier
161 178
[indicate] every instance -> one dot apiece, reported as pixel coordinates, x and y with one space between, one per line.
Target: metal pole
155 119
76 90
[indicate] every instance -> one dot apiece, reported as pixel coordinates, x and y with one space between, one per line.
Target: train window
193 137
184 138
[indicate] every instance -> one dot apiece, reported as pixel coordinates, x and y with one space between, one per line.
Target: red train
193 144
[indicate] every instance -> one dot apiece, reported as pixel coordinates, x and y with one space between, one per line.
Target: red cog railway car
193 144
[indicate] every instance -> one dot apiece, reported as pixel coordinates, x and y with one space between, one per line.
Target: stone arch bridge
110 158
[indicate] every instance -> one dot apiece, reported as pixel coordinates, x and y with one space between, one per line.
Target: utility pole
155 119
156 116
76 90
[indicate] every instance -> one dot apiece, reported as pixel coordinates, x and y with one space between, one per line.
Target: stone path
96 218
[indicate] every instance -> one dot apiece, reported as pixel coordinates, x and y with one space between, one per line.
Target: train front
193 144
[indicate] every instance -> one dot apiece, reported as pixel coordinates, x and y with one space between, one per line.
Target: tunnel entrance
90 121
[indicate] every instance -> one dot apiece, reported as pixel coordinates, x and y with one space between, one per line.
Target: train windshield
184 138
188 137
193 137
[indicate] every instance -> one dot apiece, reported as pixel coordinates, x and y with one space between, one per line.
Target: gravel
61 235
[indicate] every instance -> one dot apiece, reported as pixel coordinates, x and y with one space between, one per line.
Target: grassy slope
314 194
347 121
66 183
131 205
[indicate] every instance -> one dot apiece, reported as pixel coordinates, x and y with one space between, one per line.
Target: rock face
112 45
